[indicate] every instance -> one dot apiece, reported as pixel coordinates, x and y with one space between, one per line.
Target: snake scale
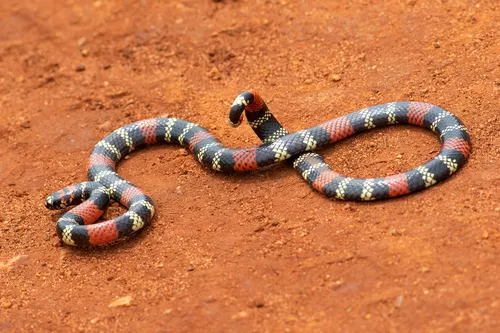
77 226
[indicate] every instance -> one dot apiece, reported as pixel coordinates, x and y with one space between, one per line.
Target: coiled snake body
77 227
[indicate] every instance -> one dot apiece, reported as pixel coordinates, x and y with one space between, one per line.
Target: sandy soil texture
258 252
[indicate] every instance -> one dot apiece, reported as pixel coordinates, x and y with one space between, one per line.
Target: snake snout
235 124
49 202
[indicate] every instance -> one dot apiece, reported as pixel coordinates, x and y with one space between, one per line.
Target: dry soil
259 252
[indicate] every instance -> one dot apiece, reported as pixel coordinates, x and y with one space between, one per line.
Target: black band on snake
77 226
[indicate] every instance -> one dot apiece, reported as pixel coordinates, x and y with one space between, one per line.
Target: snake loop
76 227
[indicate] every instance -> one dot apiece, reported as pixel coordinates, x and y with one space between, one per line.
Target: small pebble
84 52
400 156
240 315
7 305
123 301
259 303
394 232
260 228
167 311
335 77
437 45
399 301
486 235
82 41
12 261
26 124
182 152
80 68
214 74
308 81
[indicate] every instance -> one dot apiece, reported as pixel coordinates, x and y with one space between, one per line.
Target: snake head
248 101
62 198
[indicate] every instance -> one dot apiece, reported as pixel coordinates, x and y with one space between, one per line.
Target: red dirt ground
258 252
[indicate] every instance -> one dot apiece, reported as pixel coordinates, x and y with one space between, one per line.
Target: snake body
77 226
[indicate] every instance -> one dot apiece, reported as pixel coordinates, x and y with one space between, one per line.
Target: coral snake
77 227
